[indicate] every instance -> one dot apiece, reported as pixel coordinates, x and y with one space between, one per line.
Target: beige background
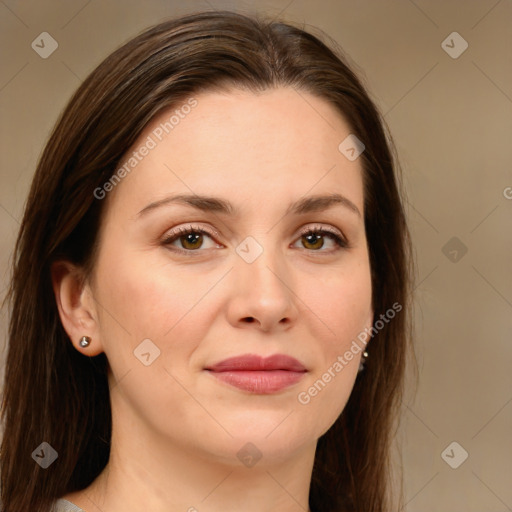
452 122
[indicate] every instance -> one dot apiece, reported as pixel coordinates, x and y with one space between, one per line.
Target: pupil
192 238
313 238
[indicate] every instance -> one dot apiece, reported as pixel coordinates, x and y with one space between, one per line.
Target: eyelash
180 232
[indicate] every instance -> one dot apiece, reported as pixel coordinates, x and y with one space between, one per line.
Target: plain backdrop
449 109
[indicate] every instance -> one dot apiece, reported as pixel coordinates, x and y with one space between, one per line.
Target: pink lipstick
257 374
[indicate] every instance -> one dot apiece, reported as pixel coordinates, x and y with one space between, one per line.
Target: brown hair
55 394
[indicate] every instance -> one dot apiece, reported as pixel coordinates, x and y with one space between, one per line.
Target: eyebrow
304 205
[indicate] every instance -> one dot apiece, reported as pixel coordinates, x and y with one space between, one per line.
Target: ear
76 305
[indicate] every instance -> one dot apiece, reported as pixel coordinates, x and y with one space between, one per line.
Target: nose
262 296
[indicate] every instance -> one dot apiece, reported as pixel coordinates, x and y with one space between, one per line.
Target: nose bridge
263 280
262 259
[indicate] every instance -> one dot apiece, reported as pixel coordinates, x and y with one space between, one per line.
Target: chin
273 442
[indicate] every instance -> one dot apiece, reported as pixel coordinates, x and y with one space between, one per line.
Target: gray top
66 506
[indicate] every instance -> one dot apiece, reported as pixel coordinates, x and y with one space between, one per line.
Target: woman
210 297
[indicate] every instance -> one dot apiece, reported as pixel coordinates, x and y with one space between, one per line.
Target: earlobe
76 307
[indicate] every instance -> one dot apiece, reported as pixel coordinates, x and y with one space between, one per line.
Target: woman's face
249 280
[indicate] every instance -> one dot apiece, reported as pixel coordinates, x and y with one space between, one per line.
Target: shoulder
63 505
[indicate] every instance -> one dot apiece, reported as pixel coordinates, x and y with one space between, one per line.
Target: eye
315 238
191 238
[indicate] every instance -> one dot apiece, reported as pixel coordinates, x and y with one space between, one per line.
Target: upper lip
252 362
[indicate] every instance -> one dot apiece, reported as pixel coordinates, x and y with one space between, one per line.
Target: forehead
277 143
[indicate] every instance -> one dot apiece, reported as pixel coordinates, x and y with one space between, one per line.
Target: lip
260 375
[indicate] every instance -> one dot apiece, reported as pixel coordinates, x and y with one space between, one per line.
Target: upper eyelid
319 227
187 228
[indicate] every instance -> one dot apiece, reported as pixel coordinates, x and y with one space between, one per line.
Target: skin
176 428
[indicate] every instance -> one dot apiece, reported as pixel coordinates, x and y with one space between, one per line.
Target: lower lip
262 382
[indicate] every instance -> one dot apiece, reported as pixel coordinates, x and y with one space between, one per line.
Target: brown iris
194 239
318 239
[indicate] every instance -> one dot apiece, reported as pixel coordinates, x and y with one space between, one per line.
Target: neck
148 472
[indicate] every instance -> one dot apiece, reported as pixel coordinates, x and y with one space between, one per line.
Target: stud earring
363 361
84 341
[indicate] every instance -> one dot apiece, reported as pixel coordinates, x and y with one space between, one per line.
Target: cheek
141 299
141 302
344 308
343 304
345 311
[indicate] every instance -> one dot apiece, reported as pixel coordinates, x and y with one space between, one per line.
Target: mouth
257 374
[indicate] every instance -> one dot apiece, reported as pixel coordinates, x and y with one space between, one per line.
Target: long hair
54 394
